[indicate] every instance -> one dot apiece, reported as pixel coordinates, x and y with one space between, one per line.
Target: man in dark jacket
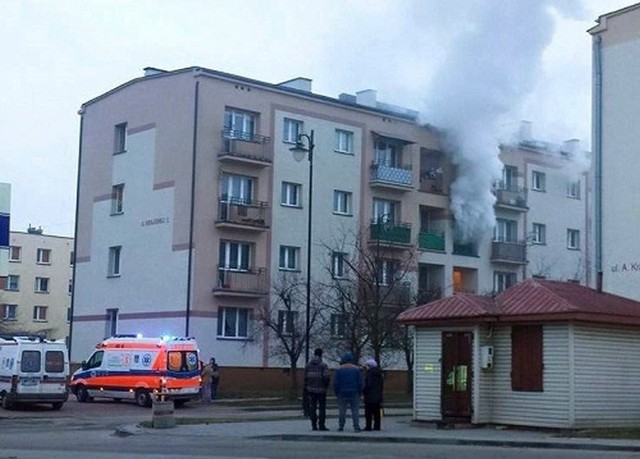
316 381
373 387
347 384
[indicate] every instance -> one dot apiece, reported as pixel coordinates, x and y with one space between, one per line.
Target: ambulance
33 370
140 369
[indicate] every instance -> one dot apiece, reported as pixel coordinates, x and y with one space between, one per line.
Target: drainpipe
193 196
597 54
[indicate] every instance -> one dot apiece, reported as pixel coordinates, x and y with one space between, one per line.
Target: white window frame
342 202
387 152
115 261
573 190
120 138
42 285
539 234
40 313
386 271
538 181
111 325
338 326
223 312
240 124
506 230
338 265
237 189
242 251
289 258
509 178
117 199
290 195
15 250
384 211
9 312
287 322
13 283
573 239
43 256
291 130
503 280
344 141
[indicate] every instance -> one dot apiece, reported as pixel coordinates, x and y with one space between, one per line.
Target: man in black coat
373 388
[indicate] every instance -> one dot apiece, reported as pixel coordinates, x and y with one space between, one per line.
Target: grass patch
612 434
197 421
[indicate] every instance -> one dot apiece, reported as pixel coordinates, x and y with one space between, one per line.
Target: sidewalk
397 427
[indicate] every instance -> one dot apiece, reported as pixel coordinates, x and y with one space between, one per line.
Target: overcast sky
58 54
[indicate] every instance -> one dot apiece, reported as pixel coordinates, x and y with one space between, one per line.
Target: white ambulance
33 370
137 368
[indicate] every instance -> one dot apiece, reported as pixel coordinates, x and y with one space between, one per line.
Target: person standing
205 380
373 389
347 384
316 381
215 378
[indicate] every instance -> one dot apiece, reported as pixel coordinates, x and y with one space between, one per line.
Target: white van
33 370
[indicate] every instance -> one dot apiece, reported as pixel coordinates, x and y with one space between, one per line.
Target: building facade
5 207
616 64
192 209
37 295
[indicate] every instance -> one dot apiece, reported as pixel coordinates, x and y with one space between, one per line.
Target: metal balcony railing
246 146
511 196
248 281
465 249
399 175
391 233
239 211
509 252
431 241
428 295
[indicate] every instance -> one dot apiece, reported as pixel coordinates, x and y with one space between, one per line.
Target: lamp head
299 151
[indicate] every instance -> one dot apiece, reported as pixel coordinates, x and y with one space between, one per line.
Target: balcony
247 148
466 249
240 214
390 234
509 252
241 283
429 295
396 177
431 241
514 198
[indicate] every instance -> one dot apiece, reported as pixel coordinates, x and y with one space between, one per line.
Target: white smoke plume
487 74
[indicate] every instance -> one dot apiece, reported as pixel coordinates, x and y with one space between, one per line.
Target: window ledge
41 291
119 152
292 206
111 276
348 153
342 214
116 213
289 270
233 338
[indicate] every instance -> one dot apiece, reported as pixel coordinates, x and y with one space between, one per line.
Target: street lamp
298 154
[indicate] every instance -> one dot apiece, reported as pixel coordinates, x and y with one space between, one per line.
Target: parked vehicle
33 370
130 367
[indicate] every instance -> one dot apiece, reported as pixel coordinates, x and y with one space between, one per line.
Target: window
70 286
69 315
9 312
344 141
338 325
95 361
234 256
237 189
114 261
503 280
30 362
292 129
40 313
505 230
120 144
287 322
342 202
289 258
111 327
290 194
573 239
573 190
509 179
233 322
538 181
117 196
526 358
43 256
72 258
384 211
239 124
13 283
539 234
386 271
338 264
15 253
387 152
42 285
54 362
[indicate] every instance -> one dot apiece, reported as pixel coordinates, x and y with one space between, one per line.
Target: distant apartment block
5 207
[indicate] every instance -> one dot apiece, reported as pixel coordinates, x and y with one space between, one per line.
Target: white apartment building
5 208
37 294
616 88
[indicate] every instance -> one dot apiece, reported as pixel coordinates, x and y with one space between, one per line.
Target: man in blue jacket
347 384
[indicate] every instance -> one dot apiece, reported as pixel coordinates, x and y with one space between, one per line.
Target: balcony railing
241 212
384 174
511 196
431 241
509 252
465 249
241 282
428 295
246 146
391 233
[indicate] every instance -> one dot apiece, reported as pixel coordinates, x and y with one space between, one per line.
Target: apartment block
37 295
5 207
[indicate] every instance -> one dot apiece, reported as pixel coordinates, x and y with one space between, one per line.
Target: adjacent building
5 207
37 294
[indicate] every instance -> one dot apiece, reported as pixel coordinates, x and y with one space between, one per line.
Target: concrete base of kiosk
162 417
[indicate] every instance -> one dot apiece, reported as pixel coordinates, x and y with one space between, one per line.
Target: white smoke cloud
487 74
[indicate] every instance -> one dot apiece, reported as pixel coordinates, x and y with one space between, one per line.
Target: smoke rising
486 75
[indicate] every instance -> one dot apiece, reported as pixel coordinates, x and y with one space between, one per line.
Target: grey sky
58 54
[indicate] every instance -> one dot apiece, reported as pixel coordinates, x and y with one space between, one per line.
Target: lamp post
298 154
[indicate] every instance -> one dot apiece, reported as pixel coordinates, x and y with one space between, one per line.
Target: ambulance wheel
143 398
82 395
57 405
6 404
